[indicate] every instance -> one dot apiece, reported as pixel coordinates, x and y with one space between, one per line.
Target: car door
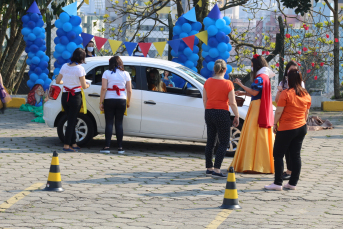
171 113
132 121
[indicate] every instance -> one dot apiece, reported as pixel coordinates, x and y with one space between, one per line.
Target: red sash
72 91
266 117
116 88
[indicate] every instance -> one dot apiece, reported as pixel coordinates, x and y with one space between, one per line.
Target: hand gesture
128 105
237 81
239 93
101 106
235 121
275 127
280 89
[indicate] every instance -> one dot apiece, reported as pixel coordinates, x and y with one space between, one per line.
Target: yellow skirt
255 148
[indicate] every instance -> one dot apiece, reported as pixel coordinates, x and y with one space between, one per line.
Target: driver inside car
154 81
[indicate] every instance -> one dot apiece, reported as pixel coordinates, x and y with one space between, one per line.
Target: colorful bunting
160 47
190 15
200 3
145 48
215 13
203 36
174 44
86 38
189 41
99 41
114 45
87 2
71 9
33 8
130 47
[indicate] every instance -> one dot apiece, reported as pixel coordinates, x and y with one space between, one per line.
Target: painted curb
16 102
332 106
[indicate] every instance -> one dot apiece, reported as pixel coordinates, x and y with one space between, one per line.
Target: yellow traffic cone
230 196
54 179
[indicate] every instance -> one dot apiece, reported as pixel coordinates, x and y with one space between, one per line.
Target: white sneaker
105 150
273 187
121 151
288 186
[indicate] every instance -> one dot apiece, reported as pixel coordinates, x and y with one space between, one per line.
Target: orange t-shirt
218 93
295 107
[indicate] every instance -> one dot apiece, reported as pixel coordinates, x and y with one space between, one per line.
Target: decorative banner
215 13
200 3
203 36
99 41
189 41
160 47
130 47
33 8
87 2
114 45
175 45
190 15
145 48
71 9
86 38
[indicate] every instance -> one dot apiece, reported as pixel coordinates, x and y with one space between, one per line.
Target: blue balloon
58 23
227 20
193 32
212 42
175 60
196 49
31 37
183 35
25 31
30 84
33 66
208 21
40 81
33 77
43 48
177 30
64 40
227 39
46 87
60 48
205 47
222 47
40 54
195 70
196 41
182 20
71 47
187 51
38 70
57 40
75 20
228 68
36 60
43 64
208 59
67 27
186 27
66 55
210 66
204 63
182 58
57 64
47 81
204 72
61 32
61 60
194 57
182 46
78 40
57 54
25 19
220 36
27 49
43 76
220 23
204 54
42 35
37 31
212 30
45 58
34 48
173 53
56 71
226 30
39 42
224 55
213 52
77 29
26 39
46 71
175 37
31 55
31 24
34 17
189 64
197 26
29 61
229 47
40 23
64 17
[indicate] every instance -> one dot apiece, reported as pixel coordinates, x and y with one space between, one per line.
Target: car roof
133 59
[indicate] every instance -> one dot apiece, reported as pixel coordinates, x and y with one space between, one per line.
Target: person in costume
115 96
4 96
154 81
166 78
254 152
218 93
90 52
73 77
291 113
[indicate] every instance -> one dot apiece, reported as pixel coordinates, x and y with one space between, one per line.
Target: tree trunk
5 21
14 63
336 52
282 51
170 25
20 76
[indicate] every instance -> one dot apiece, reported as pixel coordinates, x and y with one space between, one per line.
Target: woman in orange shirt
217 95
291 113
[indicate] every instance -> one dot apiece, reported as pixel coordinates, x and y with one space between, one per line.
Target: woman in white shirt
72 76
115 97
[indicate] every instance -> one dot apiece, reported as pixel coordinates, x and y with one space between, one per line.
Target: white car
177 114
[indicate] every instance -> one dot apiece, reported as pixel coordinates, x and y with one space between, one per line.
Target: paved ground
158 184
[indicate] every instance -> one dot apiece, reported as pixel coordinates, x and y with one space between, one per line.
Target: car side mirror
193 92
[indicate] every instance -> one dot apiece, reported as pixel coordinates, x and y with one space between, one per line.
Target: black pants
72 109
114 109
218 123
288 161
288 140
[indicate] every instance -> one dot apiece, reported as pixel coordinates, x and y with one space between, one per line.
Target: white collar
267 71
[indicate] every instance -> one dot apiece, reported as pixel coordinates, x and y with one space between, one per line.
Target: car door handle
94 95
150 102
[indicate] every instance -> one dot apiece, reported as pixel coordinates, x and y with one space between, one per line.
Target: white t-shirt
71 76
118 78
286 84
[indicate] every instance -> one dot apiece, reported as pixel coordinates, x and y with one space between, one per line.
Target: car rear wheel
84 129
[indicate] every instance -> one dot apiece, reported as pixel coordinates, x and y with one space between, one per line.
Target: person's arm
59 79
306 114
278 113
128 92
204 97
83 82
102 93
278 93
1 83
247 89
233 105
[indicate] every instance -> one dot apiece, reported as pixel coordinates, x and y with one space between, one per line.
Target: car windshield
193 74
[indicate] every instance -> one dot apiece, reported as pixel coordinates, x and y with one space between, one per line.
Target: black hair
93 52
294 82
257 63
78 56
116 63
289 64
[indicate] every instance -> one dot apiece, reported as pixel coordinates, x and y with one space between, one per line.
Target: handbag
240 101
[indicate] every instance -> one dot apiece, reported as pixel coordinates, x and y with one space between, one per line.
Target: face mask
90 49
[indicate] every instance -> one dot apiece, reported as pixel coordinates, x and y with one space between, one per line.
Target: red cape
266 116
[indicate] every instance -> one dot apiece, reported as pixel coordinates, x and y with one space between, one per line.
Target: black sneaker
285 176
105 150
121 151
218 175
209 173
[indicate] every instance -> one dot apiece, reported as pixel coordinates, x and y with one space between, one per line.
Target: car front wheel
235 134
84 129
